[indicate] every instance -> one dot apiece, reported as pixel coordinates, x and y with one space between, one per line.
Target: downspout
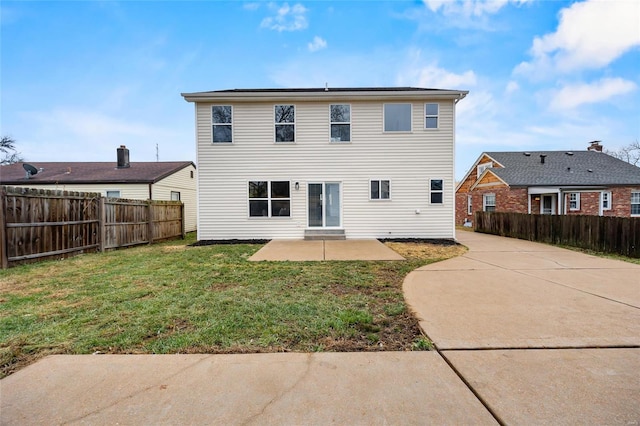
150 191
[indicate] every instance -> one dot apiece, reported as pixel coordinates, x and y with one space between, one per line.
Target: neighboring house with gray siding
550 182
330 162
164 180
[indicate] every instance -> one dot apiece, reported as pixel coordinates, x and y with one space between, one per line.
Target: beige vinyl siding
409 160
138 191
181 182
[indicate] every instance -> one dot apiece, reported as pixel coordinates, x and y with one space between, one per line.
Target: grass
172 298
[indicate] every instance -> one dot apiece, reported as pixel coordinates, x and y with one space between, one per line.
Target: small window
431 116
469 204
340 123
482 167
221 120
397 117
191 174
574 201
175 196
380 189
113 194
635 204
606 201
285 122
269 199
489 202
436 188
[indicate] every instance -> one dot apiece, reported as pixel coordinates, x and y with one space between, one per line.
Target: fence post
102 223
184 234
4 262
150 221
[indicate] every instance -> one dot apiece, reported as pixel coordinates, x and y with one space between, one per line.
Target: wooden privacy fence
607 234
40 224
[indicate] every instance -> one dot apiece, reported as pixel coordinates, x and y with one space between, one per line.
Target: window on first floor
469 204
340 123
380 189
397 117
113 193
436 190
269 198
574 201
606 200
489 202
635 203
175 196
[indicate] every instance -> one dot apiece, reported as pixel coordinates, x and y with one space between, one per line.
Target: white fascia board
328 95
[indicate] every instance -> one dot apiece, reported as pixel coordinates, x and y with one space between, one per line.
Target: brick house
550 182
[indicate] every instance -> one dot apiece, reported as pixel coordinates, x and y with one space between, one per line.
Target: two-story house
550 182
340 162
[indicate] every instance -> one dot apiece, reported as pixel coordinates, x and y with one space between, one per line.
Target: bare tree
629 153
8 149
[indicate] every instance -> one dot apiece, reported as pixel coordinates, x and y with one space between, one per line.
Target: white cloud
251 6
432 76
590 35
512 87
286 18
318 43
570 97
469 8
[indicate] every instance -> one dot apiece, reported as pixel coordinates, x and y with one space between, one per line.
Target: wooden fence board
38 224
607 234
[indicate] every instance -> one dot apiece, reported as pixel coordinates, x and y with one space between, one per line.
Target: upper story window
285 122
222 123
574 201
482 167
340 123
436 188
489 202
397 117
635 204
269 198
380 189
431 116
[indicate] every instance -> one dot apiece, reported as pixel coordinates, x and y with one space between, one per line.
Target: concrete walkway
302 250
526 334
541 334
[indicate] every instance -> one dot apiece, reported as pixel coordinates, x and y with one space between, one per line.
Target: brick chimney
123 157
595 146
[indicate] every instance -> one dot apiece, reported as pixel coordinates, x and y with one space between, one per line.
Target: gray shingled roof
90 172
564 168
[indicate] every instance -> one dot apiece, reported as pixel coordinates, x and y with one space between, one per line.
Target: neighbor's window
606 201
489 202
380 189
113 194
175 196
221 120
469 206
635 204
482 167
340 123
285 122
436 188
574 201
269 198
397 117
430 116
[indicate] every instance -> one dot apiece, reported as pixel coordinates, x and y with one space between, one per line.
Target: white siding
181 182
409 160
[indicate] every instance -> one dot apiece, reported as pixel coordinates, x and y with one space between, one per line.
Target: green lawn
171 298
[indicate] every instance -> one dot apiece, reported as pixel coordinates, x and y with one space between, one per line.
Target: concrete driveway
542 335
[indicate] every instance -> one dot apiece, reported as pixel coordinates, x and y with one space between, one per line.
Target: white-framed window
175 196
285 123
379 189
489 202
482 167
397 117
431 116
605 200
574 201
635 203
469 204
269 198
436 191
222 123
112 193
340 122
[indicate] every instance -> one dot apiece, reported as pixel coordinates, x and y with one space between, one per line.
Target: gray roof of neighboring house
564 168
90 172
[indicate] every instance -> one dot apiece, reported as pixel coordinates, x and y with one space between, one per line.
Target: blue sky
80 78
